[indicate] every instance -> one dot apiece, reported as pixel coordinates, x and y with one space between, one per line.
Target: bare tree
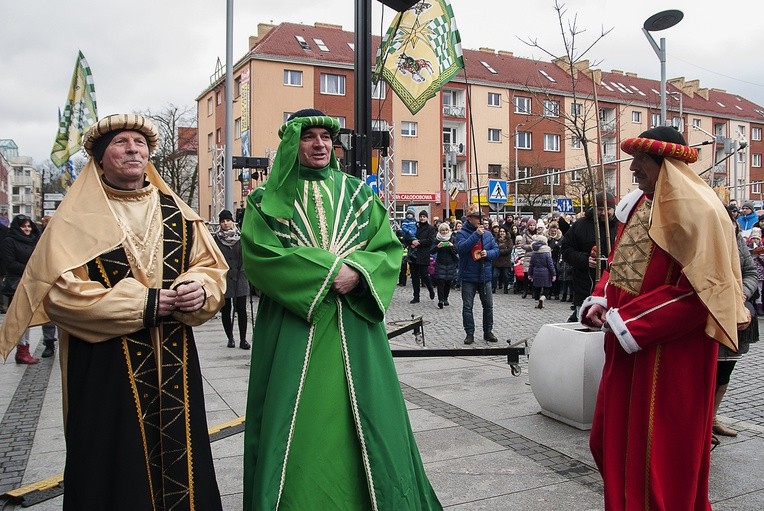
581 124
175 155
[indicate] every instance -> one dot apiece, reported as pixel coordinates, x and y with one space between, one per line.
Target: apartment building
22 191
528 122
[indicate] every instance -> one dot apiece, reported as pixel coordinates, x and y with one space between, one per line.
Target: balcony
23 198
607 126
454 148
454 111
720 168
608 158
22 180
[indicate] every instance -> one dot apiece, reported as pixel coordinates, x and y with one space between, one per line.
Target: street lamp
517 167
655 23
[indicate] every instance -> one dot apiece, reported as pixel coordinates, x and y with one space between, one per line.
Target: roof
329 45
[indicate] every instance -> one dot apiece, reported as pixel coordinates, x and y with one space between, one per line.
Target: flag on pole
79 113
421 51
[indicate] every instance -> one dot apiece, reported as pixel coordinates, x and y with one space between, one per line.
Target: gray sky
149 53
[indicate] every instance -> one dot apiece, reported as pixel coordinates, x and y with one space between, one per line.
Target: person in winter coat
421 245
756 248
528 234
228 239
517 255
541 270
747 218
577 247
17 248
446 262
476 248
502 265
554 237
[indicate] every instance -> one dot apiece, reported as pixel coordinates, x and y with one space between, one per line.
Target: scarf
442 237
230 237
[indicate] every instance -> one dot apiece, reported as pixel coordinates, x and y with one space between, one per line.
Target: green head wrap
281 188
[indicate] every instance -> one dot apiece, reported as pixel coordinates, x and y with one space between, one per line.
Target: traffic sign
371 180
565 205
497 191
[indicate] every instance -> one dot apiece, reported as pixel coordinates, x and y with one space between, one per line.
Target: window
523 140
408 168
575 142
494 170
696 123
332 84
292 77
210 107
286 116
320 44
755 133
523 173
210 142
756 187
218 97
756 160
634 179
408 129
575 176
237 87
636 117
219 136
551 179
379 125
237 128
655 120
676 122
340 120
494 99
551 108
522 105
494 135
551 142
379 91
576 109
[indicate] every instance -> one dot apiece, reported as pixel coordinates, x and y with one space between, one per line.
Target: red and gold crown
660 148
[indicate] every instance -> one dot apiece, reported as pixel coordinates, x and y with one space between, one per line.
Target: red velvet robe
652 423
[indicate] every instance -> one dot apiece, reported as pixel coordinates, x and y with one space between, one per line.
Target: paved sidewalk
484 443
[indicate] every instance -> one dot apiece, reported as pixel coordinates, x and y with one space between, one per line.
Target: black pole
362 105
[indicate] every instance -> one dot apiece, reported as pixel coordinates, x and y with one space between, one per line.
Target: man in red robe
671 293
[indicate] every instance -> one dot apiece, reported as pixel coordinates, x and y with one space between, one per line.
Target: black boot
244 345
50 348
231 342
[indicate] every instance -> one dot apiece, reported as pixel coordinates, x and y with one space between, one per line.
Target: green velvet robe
326 423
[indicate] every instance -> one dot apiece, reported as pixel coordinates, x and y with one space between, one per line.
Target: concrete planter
564 369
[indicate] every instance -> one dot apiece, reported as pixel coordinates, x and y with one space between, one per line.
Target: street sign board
497 191
565 205
53 196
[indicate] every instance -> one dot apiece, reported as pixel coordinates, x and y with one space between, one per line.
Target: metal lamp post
517 169
655 23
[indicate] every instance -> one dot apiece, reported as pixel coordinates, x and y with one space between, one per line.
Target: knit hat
424 213
411 210
756 233
609 200
748 204
225 215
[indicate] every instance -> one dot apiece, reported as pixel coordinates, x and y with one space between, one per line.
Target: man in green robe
326 424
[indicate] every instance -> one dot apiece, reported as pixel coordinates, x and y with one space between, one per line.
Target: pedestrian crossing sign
497 191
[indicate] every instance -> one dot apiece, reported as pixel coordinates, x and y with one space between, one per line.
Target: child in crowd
446 262
518 254
541 269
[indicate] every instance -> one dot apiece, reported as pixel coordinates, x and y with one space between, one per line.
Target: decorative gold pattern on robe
632 254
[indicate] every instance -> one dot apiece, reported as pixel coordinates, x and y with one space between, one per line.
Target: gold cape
85 216
690 223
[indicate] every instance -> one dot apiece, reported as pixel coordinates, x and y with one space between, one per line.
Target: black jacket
425 233
576 246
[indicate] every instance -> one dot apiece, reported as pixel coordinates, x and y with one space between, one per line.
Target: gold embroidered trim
633 252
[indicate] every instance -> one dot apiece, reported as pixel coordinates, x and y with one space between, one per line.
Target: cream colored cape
82 228
690 223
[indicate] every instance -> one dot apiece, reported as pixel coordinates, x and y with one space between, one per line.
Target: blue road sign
371 180
497 191
565 205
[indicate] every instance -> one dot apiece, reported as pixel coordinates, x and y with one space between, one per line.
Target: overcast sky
146 54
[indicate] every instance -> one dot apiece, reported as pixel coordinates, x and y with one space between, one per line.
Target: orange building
505 118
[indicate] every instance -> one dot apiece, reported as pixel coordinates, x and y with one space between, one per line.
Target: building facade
531 123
